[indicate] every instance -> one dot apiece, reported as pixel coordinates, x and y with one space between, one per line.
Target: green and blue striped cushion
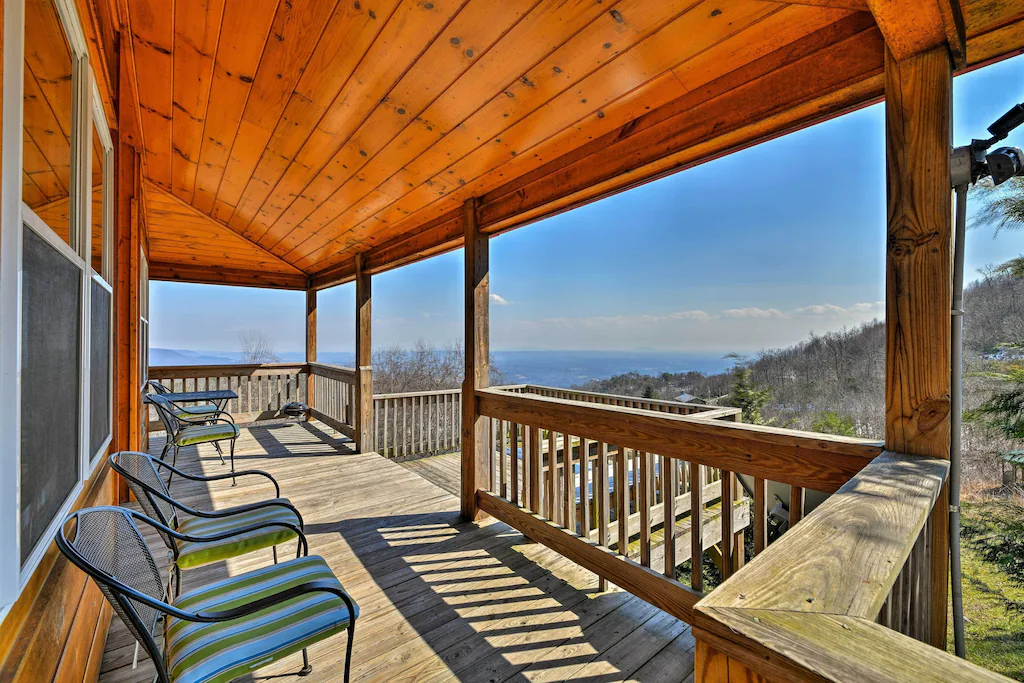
207 433
195 553
220 652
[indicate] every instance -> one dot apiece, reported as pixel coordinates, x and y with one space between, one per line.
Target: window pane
99 368
50 359
99 159
46 179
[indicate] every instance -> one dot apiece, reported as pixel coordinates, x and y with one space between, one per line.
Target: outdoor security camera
1004 163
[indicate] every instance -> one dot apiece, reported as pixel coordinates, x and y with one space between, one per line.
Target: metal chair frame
148 496
174 425
122 595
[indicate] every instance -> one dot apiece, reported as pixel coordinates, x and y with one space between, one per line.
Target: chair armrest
217 477
279 597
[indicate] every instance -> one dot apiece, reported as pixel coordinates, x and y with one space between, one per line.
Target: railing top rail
223 370
806 606
414 394
697 407
333 371
818 461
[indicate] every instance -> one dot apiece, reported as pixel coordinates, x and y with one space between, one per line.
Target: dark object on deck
295 409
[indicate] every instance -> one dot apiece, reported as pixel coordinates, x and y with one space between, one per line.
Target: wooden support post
310 342
475 460
365 428
126 284
918 115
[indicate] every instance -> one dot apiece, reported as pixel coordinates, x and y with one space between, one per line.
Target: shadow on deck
440 599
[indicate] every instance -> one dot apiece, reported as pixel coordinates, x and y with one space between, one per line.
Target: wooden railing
672 466
819 603
418 422
262 388
334 397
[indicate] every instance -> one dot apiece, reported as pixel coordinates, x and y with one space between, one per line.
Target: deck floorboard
440 600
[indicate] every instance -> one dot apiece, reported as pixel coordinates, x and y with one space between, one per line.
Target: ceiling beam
217 275
911 27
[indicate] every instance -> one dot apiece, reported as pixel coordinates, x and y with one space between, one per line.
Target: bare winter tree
257 347
422 368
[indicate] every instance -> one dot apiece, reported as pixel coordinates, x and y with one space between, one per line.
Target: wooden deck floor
441 600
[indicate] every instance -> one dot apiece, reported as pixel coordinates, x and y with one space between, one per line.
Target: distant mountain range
159 357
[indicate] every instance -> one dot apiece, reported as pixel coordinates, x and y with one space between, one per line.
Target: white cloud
752 313
499 301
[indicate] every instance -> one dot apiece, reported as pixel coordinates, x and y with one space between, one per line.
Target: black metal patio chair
212 536
183 431
194 412
220 631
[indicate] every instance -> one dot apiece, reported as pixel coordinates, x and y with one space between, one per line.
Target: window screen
50 359
99 368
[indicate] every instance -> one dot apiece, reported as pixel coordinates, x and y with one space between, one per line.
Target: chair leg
220 452
307 668
174 463
167 444
233 482
177 580
274 548
348 648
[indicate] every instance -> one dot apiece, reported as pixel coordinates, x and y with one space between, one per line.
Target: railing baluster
568 485
622 500
760 516
728 550
796 505
644 503
696 527
602 494
549 483
669 484
513 457
536 468
584 505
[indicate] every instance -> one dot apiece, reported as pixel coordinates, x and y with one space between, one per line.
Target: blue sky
750 251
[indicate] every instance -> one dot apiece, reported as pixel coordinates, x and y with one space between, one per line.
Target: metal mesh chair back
108 546
143 477
158 387
165 410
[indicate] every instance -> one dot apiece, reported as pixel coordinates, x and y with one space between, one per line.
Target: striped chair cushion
220 652
207 433
195 553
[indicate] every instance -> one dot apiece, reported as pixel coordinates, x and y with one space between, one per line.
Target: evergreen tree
748 397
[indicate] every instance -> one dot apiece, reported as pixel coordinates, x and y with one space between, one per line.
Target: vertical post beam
126 284
475 463
365 429
918 123
310 342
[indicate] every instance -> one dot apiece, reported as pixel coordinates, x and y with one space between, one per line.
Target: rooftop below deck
440 599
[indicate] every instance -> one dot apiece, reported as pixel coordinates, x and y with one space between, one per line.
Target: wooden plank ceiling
282 137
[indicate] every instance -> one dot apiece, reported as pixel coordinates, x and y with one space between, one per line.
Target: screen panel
99 368
50 385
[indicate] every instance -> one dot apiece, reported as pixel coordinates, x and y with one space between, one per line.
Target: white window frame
14 216
106 258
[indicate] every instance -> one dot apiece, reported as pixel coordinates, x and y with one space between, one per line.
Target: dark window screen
99 368
50 313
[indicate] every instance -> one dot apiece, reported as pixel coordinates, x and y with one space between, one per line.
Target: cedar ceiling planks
312 130
179 234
